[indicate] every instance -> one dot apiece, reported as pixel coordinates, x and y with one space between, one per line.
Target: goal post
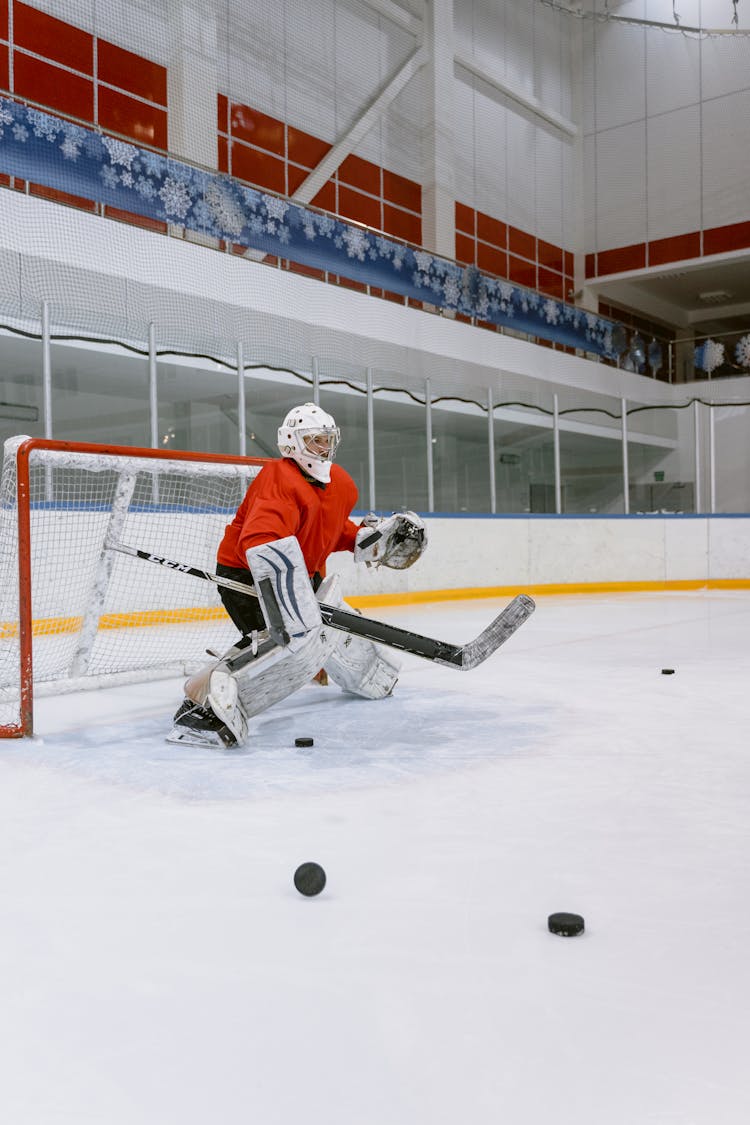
74 614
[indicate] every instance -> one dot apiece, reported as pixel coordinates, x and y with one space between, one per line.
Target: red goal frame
25 726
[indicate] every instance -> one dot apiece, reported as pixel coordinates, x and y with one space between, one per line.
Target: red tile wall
278 157
130 72
660 251
496 248
3 66
54 64
52 38
71 72
70 94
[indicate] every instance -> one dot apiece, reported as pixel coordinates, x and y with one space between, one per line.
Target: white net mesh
99 614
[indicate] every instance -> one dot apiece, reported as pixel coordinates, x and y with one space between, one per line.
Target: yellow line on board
57 626
415 597
48 626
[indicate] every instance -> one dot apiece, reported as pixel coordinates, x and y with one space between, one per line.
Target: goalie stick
463 657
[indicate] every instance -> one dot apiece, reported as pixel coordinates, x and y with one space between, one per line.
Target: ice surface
158 966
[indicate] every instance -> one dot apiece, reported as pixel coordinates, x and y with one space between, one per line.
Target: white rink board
462 552
537 551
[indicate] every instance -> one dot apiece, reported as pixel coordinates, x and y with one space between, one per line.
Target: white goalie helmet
310 437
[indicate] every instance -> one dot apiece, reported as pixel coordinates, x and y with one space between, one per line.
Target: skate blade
208 739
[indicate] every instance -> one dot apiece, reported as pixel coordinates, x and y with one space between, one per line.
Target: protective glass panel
198 408
591 473
20 388
348 405
460 455
732 457
660 461
400 453
519 435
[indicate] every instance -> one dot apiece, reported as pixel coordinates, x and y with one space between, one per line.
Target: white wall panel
621 186
488 33
588 78
672 72
357 64
519 53
465 143
402 130
662 11
629 9
521 172
310 37
571 232
725 65
717 13
590 197
491 156
726 159
550 39
619 80
549 188
252 62
674 180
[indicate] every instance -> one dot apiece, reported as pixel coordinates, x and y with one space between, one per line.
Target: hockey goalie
294 515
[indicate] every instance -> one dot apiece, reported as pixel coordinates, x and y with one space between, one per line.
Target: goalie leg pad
359 667
289 605
277 674
354 663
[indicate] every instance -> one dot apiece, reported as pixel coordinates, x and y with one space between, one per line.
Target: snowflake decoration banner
58 154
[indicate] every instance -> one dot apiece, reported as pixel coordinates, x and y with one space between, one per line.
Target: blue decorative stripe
47 150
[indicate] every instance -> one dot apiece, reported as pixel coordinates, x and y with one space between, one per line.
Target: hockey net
74 613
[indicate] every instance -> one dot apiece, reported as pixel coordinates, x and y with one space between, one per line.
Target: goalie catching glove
395 541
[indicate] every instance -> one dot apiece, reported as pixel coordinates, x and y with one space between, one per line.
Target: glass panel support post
625 467
370 439
153 401
430 460
697 505
46 370
47 391
712 458
316 381
556 451
241 405
491 448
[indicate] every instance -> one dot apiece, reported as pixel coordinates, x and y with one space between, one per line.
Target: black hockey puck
667 671
566 925
309 879
303 742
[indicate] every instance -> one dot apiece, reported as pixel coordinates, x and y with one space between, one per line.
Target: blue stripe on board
153 509
570 515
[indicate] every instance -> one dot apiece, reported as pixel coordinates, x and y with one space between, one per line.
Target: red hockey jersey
280 502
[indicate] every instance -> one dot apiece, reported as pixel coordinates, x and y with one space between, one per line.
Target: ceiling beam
310 187
526 101
396 14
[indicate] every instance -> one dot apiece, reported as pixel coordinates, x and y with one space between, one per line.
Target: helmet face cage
320 442
310 437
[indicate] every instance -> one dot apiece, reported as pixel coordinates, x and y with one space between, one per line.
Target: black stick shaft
346 620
